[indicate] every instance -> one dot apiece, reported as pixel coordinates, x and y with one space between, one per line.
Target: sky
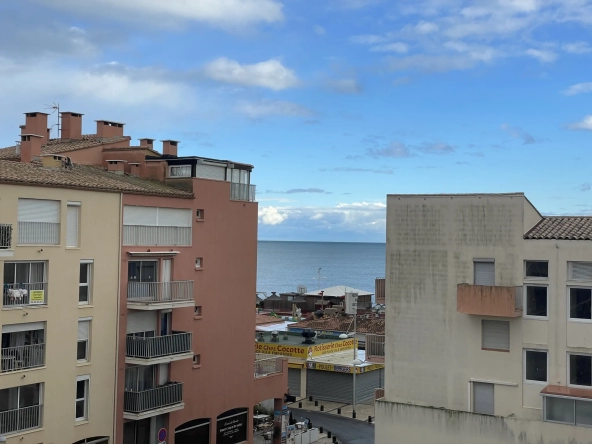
336 103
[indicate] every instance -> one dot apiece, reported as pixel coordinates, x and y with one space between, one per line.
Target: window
23 346
495 335
198 263
38 222
196 359
579 271
483 401
24 283
20 408
536 301
537 269
197 310
535 365
83 349
84 284
580 370
579 303
82 388
72 224
484 272
199 214
180 171
156 226
568 410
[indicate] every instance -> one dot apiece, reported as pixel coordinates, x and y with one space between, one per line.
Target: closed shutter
330 386
72 226
294 381
174 217
484 273
28 326
133 215
495 335
83 330
580 271
366 383
483 398
138 322
36 210
210 172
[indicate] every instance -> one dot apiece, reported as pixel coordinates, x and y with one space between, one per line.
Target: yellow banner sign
37 296
342 368
304 351
332 347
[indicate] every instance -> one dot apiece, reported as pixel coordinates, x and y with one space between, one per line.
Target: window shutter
13 328
133 215
83 328
139 321
36 210
174 217
72 221
484 273
581 271
495 334
209 172
483 398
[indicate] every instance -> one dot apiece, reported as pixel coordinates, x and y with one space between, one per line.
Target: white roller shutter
484 273
28 326
133 215
174 217
36 210
495 335
138 321
483 398
210 172
72 220
83 330
580 271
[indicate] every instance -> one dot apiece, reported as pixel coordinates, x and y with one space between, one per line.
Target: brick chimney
169 147
71 125
36 123
108 129
30 147
135 168
116 166
145 141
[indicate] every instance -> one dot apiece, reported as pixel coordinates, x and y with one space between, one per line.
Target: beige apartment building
488 322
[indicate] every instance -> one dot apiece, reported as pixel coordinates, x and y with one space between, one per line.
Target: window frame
89 284
179 167
535 278
85 399
569 384
531 381
525 302
569 398
582 320
78 341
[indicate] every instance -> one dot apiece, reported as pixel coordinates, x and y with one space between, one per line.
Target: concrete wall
99 240
427 425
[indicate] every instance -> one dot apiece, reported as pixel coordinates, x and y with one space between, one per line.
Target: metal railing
142 401
265 366
154 292
39 233
19 420
150 235
15 295
242 191
374 346
22 357
5 236
147 348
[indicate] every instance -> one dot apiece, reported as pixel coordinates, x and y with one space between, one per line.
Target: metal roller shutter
484 273
210 172
36 210
329 386
294 381
367 382
146 216
138 322
72 218
495 335
483 398
174 217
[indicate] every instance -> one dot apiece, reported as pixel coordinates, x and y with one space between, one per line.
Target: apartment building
488 322
186 269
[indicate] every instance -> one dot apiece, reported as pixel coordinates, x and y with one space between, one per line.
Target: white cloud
391 47
431 63
543 56
345 86
396 150
577 47
367 39
584 124
269 74
319 30
272 215
265 108
578 88
424 27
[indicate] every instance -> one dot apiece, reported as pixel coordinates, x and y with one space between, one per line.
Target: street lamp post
355 362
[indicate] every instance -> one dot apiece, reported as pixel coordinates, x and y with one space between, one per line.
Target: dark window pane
537 269
9 273
83 293
133 271
579 303
81 351
80 389
580 370
559 409
536 366
584 413
22 273
148 273
29 395
536 301
80 409
84 273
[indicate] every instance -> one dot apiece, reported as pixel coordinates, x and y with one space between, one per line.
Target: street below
347 430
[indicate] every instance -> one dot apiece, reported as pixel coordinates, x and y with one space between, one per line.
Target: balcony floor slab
159 360
153 412
159 305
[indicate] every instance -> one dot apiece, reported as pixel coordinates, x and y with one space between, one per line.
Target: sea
283 266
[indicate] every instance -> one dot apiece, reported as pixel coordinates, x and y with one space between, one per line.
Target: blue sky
336 102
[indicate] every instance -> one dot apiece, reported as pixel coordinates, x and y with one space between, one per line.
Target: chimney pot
30 147
145 141
71 125
116 166
169 147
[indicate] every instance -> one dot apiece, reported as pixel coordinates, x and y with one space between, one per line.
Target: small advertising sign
37 296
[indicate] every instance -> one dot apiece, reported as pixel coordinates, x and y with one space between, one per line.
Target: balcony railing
484 300
19 420
149 348
5 236
22 357
158 292
266 365
146 400
16 295
242 191
38 233
375 348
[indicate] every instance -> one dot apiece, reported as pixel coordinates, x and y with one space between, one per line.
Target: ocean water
282 266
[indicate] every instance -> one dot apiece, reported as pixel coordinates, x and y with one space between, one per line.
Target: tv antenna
55 107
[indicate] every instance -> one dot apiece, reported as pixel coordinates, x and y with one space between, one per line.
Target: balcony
152 402
266 365
482 300
19 420
242 191
159 295
375 348
6 240
19 295
158 350
22 357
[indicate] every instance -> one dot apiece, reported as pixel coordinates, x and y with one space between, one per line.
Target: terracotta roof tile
343 323
55 146
261 319
84 177
562 228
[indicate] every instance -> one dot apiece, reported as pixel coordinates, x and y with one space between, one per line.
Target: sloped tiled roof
84 177
55 146
344 323
562 228
261 319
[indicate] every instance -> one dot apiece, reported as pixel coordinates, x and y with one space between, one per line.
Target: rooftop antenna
55 107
